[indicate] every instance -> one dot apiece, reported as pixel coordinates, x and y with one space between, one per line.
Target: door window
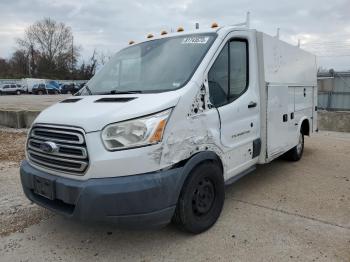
228 77
218 78
238 69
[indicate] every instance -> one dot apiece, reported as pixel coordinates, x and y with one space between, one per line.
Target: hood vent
71 100
115 99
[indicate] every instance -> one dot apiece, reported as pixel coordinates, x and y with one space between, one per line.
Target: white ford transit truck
160 130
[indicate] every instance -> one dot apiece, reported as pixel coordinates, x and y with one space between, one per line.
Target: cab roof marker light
131 42
180 29
163 32
150 36
214 25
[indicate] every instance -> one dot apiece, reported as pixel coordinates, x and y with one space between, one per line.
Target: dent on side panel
198 129
197 137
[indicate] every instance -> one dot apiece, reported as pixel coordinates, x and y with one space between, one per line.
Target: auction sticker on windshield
195 40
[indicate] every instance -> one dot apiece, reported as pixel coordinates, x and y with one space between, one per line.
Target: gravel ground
16 212
281 212
12 143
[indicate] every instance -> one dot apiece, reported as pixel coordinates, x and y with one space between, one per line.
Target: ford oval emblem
48 147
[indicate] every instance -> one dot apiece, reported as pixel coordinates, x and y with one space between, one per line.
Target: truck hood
92 113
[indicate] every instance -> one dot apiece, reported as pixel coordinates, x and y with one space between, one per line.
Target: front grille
70 155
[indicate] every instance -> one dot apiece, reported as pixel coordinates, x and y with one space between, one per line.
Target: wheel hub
203 197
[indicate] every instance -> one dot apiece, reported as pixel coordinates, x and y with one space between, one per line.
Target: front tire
201 199
296 153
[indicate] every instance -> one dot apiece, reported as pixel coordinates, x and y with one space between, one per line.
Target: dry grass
16 212
12 144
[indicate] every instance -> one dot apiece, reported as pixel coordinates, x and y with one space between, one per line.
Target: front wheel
201 199
18 92
296 152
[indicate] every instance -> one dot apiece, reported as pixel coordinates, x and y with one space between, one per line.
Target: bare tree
20 62
87 70
103 57
53 44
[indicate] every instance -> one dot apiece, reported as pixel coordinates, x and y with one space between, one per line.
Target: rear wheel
40 92
18 92
201 199
296 152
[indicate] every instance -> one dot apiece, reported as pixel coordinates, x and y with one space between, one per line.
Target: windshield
154 66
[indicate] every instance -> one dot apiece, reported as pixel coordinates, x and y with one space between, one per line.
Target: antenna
278 33
246 23
247 20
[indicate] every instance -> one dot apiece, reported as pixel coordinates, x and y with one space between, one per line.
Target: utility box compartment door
303 97
280 132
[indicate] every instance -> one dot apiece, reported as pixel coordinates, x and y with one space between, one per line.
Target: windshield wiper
114 92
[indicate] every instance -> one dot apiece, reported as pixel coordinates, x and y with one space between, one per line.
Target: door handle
252 104
285 117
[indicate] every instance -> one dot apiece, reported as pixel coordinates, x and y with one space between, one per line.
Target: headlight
137 132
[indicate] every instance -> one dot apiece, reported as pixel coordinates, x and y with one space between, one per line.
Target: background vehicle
53 83
160 130
28 83
42 89
8 89
70 88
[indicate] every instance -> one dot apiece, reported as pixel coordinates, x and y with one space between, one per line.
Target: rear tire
296 152
201 199
40 92
18 92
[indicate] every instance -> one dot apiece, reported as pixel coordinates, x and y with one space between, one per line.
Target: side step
239 176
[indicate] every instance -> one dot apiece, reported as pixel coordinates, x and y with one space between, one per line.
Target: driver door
235 96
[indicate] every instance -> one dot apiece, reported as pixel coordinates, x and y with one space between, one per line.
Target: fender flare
194 161
199 158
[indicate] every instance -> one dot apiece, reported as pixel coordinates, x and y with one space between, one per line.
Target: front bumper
142 201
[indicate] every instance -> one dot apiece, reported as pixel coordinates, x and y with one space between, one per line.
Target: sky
323 27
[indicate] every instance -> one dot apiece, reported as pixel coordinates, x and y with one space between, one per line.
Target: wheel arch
189 164
305 126
199 158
